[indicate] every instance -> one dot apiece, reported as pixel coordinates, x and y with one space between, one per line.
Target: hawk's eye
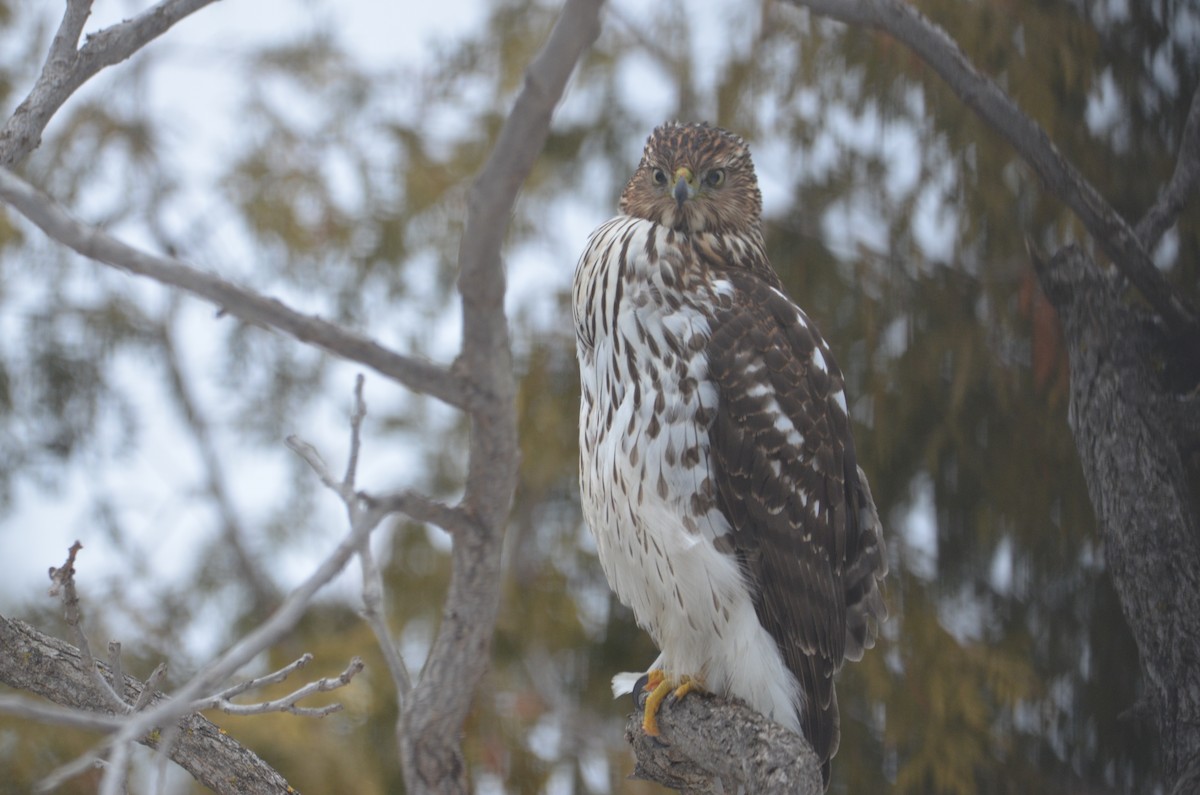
660 177
714 178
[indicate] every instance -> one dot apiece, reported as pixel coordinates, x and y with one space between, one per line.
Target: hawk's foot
659 686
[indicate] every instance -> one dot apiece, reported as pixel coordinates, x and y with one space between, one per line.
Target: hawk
717 466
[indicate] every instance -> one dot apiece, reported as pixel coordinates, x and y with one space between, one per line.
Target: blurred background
321 152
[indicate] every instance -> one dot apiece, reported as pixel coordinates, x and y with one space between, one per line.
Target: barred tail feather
863 579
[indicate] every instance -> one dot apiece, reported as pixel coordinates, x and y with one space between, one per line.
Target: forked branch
69 66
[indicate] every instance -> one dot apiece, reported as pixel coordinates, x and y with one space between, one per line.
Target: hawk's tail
863 578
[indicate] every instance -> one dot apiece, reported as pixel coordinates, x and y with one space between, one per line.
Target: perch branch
705 739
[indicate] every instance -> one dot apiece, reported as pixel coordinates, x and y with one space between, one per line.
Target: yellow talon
660 686
653 679
685 686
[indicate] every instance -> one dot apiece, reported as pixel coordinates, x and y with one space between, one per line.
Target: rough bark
711 745
53 669
1127 431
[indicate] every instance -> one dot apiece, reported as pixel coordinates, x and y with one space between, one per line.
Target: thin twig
116 676
375 614
451 518
356 421
275 677
64 773
414 505
374 611
266 634
24 707
63 583
287 703
151 687
315 462
116 770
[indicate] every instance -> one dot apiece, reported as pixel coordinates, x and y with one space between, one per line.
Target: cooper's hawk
717 466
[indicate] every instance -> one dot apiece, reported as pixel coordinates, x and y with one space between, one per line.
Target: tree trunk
1133 437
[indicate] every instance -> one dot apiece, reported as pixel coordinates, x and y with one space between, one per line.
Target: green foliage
895 217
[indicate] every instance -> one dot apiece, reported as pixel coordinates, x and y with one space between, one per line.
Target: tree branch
980 93
22 707
66 38
286 703
266 634
1170 202
63 579
706 739
374 611
454 519
416 373
68 68
431 725
53 669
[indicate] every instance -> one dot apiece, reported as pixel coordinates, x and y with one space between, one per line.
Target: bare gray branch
273 678
451 518
63 579
68 68
373 608
286 703
40 711
50 668
417 374
431 725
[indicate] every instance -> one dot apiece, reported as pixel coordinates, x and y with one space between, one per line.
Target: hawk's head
695 178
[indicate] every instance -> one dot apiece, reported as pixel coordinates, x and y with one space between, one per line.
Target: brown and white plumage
717 466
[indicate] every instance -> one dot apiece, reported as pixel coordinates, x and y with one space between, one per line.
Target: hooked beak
683 187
